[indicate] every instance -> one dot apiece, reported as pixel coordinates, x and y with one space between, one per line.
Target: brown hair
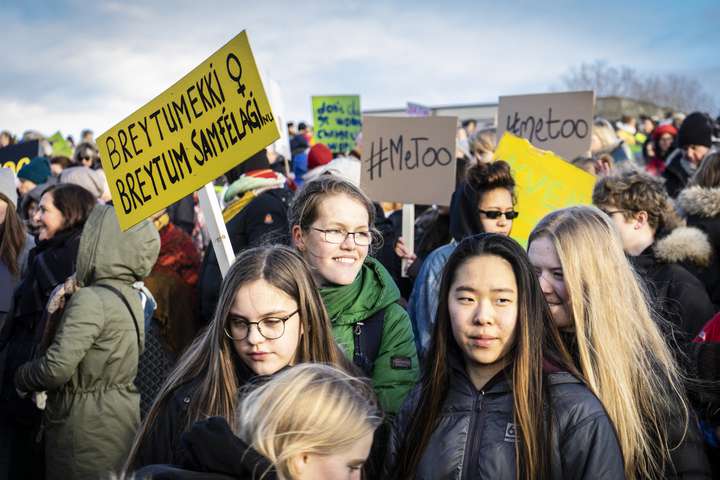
13 238
80 151
209 357
537 338
483 177
74 202
61 160
303 210
632 192
708 173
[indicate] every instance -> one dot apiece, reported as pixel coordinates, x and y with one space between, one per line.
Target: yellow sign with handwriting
212 119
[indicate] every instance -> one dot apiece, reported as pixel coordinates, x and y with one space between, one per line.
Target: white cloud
96 66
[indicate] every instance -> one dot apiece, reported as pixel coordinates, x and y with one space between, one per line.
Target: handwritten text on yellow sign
213 118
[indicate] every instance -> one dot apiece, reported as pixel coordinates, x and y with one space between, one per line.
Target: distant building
611 108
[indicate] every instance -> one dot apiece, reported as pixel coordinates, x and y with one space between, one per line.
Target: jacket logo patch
268 220
400 363
510 433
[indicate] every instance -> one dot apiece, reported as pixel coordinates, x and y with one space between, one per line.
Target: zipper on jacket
471 443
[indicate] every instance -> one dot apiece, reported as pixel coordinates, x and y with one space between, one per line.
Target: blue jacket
423 303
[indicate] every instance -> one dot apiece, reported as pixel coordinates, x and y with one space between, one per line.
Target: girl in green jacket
331 223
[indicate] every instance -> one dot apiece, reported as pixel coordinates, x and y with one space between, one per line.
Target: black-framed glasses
495 214
271 327
361 239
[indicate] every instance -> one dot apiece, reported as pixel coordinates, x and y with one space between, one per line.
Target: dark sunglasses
494 214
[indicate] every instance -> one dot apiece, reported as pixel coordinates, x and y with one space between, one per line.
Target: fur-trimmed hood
703 202
685 244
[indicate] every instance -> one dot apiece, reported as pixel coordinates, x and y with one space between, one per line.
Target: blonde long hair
621 350
309 408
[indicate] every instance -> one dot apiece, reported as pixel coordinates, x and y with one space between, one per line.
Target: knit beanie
661 130
37 171
696 129
7 185
91 180
252 180
319 155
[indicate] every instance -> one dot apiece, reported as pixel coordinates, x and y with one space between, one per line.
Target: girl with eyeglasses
269 316
499 397
280 433
483 202
331 223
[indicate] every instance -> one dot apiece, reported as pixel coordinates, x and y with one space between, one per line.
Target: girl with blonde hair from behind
310 422
598 301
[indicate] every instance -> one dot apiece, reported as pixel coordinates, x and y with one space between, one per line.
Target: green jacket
92 410
372 291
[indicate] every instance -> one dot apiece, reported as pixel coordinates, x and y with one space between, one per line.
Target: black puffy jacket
475 436
213 452
161 444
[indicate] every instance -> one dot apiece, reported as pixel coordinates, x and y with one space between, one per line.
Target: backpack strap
132 314
367 335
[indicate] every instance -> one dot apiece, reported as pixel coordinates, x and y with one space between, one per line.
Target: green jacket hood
107 253
372 290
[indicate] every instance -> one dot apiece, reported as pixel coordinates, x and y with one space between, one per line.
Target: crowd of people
594 353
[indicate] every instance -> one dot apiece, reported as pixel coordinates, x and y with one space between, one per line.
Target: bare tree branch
671 90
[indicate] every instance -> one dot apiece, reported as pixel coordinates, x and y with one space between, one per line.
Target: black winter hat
696 129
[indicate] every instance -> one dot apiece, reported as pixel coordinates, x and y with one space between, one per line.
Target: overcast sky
73 64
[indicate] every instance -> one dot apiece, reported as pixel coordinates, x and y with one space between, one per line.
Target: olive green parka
92 410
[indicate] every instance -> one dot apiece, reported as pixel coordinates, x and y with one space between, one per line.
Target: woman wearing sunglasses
483 203
332 227
269 316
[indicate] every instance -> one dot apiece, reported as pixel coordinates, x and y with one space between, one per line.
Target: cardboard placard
559 122
544 183
17 156
409 159
337 121
212 119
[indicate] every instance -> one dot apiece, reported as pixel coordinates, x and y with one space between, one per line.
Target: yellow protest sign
544 183
212 119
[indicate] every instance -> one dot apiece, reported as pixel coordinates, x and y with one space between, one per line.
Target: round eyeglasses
270 327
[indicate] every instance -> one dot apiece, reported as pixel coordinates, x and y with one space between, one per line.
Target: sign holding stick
213 118
559 122
218 231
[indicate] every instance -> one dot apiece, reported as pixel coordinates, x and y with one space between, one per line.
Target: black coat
676 177
50 263
680 297
475 436
263 220
162 444
701 208
212 451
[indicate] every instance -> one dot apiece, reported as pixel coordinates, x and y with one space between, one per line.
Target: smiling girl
599 302
331 225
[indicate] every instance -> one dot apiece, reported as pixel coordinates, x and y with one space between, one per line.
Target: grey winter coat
93 407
